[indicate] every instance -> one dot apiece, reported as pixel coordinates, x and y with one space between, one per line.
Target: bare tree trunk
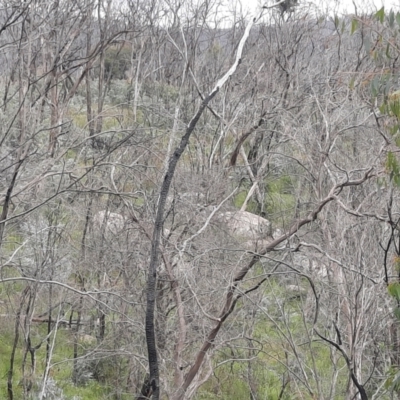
102 82
21 154
49 322
80 281
137 86
10 373
89 111
152 273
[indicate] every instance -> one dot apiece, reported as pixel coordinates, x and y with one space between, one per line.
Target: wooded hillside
196 203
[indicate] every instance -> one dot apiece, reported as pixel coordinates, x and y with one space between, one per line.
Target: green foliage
116 62
239 200
79 119
393 168
264 376
354 26
282 184
167 93
396 313
352 83
280 199
394 107
113 119
393 381
60 372
336 21
381 86
380 15
394 290
235 380
12 242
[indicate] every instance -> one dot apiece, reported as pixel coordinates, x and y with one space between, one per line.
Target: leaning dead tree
158 225
154 382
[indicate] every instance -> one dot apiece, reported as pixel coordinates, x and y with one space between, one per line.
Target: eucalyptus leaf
394 291
354 25
380 15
